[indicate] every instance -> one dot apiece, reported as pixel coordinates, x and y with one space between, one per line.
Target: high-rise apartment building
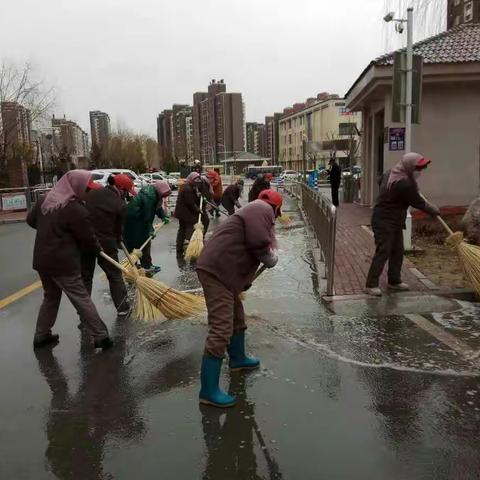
260 138
250 128
165 136
181 117
198 146
99 128
460 12
175 133
72 142
15 131
218 123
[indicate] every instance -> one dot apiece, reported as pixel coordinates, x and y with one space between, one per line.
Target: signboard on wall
14 201
396 139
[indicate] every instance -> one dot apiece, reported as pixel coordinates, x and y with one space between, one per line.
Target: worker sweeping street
187 209
215 181
226 268
231 196
107 209
262 182
398 191
64 230
141 213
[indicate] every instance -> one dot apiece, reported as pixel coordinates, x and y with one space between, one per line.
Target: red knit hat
124 182
272 197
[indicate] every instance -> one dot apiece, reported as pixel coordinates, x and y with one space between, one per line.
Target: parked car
151 177
356 170
290 175
172 181
100 176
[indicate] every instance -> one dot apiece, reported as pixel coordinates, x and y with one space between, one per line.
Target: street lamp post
409 83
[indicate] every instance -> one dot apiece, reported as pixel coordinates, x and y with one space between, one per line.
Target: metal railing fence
322 215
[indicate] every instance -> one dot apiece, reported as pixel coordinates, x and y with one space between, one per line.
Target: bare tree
348 143
20 84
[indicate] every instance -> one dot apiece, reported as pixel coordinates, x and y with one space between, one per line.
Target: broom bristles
157 301
195 246
285 219
469 256
136 255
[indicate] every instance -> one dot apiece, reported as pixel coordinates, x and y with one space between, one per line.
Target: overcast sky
134 58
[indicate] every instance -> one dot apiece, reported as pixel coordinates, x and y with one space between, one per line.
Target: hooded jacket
107 212
188 200
390 211
239 245
140 215
231 195
216 185
260 184
61 236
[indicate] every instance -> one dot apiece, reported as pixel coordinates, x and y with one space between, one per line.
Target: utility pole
399 22
408 109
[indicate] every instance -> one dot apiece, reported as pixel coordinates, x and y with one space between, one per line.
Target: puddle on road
285 302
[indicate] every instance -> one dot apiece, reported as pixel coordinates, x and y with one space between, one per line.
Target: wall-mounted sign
14 201
396 139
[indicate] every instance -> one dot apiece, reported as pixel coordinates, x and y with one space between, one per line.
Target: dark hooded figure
231 196
64 230
398 192
261 183
335 178
188 209
107 209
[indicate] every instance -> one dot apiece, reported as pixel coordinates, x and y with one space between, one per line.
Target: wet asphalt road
339 396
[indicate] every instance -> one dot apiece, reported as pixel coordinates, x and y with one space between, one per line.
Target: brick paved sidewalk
354 250
12 217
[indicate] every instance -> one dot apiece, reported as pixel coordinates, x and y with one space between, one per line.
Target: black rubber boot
46 340
104 344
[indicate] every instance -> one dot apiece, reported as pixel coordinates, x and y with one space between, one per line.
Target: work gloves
270 259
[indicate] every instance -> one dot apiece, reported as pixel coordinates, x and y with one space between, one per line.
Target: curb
464 293
12 220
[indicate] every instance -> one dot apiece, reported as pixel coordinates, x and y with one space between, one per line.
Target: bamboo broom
156 301
285 219
136 253
195 246
468 254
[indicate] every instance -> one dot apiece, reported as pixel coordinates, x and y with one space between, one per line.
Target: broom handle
201 205
259 272
216 208
149 239
113 262
441 220
125 251
444 224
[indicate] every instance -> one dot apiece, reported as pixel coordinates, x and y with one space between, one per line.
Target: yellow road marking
21 293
